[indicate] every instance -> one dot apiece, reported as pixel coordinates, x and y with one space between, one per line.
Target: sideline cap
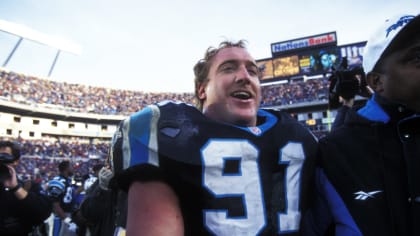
399 27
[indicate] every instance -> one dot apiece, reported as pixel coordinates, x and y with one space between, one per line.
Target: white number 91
246 184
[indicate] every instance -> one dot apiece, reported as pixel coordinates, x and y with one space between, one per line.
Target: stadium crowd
295 92
41 157
78 97
31 90
42 170
71 148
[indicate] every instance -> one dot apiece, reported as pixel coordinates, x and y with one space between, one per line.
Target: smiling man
226 168
233 95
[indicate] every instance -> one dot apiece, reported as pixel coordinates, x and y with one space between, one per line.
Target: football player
61 193
224 167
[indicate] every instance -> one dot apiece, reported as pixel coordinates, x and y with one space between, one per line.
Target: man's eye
414 56
252 71
228 68
411 57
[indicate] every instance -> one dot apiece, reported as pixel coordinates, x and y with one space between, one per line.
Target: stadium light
49 40
24 32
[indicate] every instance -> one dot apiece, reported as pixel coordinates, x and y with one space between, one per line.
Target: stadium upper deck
79 98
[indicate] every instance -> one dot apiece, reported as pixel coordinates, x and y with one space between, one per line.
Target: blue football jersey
230 180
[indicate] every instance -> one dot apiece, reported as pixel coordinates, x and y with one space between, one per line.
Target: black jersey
230 180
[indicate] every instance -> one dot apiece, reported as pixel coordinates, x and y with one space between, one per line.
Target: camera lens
4 173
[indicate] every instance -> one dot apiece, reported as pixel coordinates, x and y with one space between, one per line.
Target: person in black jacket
104 208
20 210
369 177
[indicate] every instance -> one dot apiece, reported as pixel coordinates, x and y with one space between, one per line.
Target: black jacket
17 217
104 210
363 180
340 117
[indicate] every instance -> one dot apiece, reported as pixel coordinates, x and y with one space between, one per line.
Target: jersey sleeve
134 150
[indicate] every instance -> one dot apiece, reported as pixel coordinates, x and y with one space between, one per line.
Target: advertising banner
320 40
354 53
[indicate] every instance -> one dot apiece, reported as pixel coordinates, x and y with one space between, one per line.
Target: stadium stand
41 157
42 153
295 92
29 90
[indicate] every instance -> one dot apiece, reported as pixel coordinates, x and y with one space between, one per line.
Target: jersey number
68 196
246 184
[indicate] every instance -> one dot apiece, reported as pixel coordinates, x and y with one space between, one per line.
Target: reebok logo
362 196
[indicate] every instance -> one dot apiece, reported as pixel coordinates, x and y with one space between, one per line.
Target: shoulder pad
55 188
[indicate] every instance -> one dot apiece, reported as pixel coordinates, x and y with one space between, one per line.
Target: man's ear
375 81
201 91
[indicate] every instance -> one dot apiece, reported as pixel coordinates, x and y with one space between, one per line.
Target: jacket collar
380 109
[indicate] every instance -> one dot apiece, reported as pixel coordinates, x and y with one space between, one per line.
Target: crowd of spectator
40 158
295 92
62 148
42 170
31 90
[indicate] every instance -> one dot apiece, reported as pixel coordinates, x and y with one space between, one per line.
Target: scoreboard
308 56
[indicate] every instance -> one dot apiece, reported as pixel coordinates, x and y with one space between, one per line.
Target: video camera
346 83
6 158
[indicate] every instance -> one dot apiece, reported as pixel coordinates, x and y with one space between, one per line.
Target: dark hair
12 145
202 67
97 167
64 165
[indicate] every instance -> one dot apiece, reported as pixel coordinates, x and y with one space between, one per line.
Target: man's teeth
242 95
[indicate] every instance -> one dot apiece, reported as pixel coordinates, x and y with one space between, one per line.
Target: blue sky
153 45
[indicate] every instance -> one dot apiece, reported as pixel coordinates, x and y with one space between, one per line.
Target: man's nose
243 75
